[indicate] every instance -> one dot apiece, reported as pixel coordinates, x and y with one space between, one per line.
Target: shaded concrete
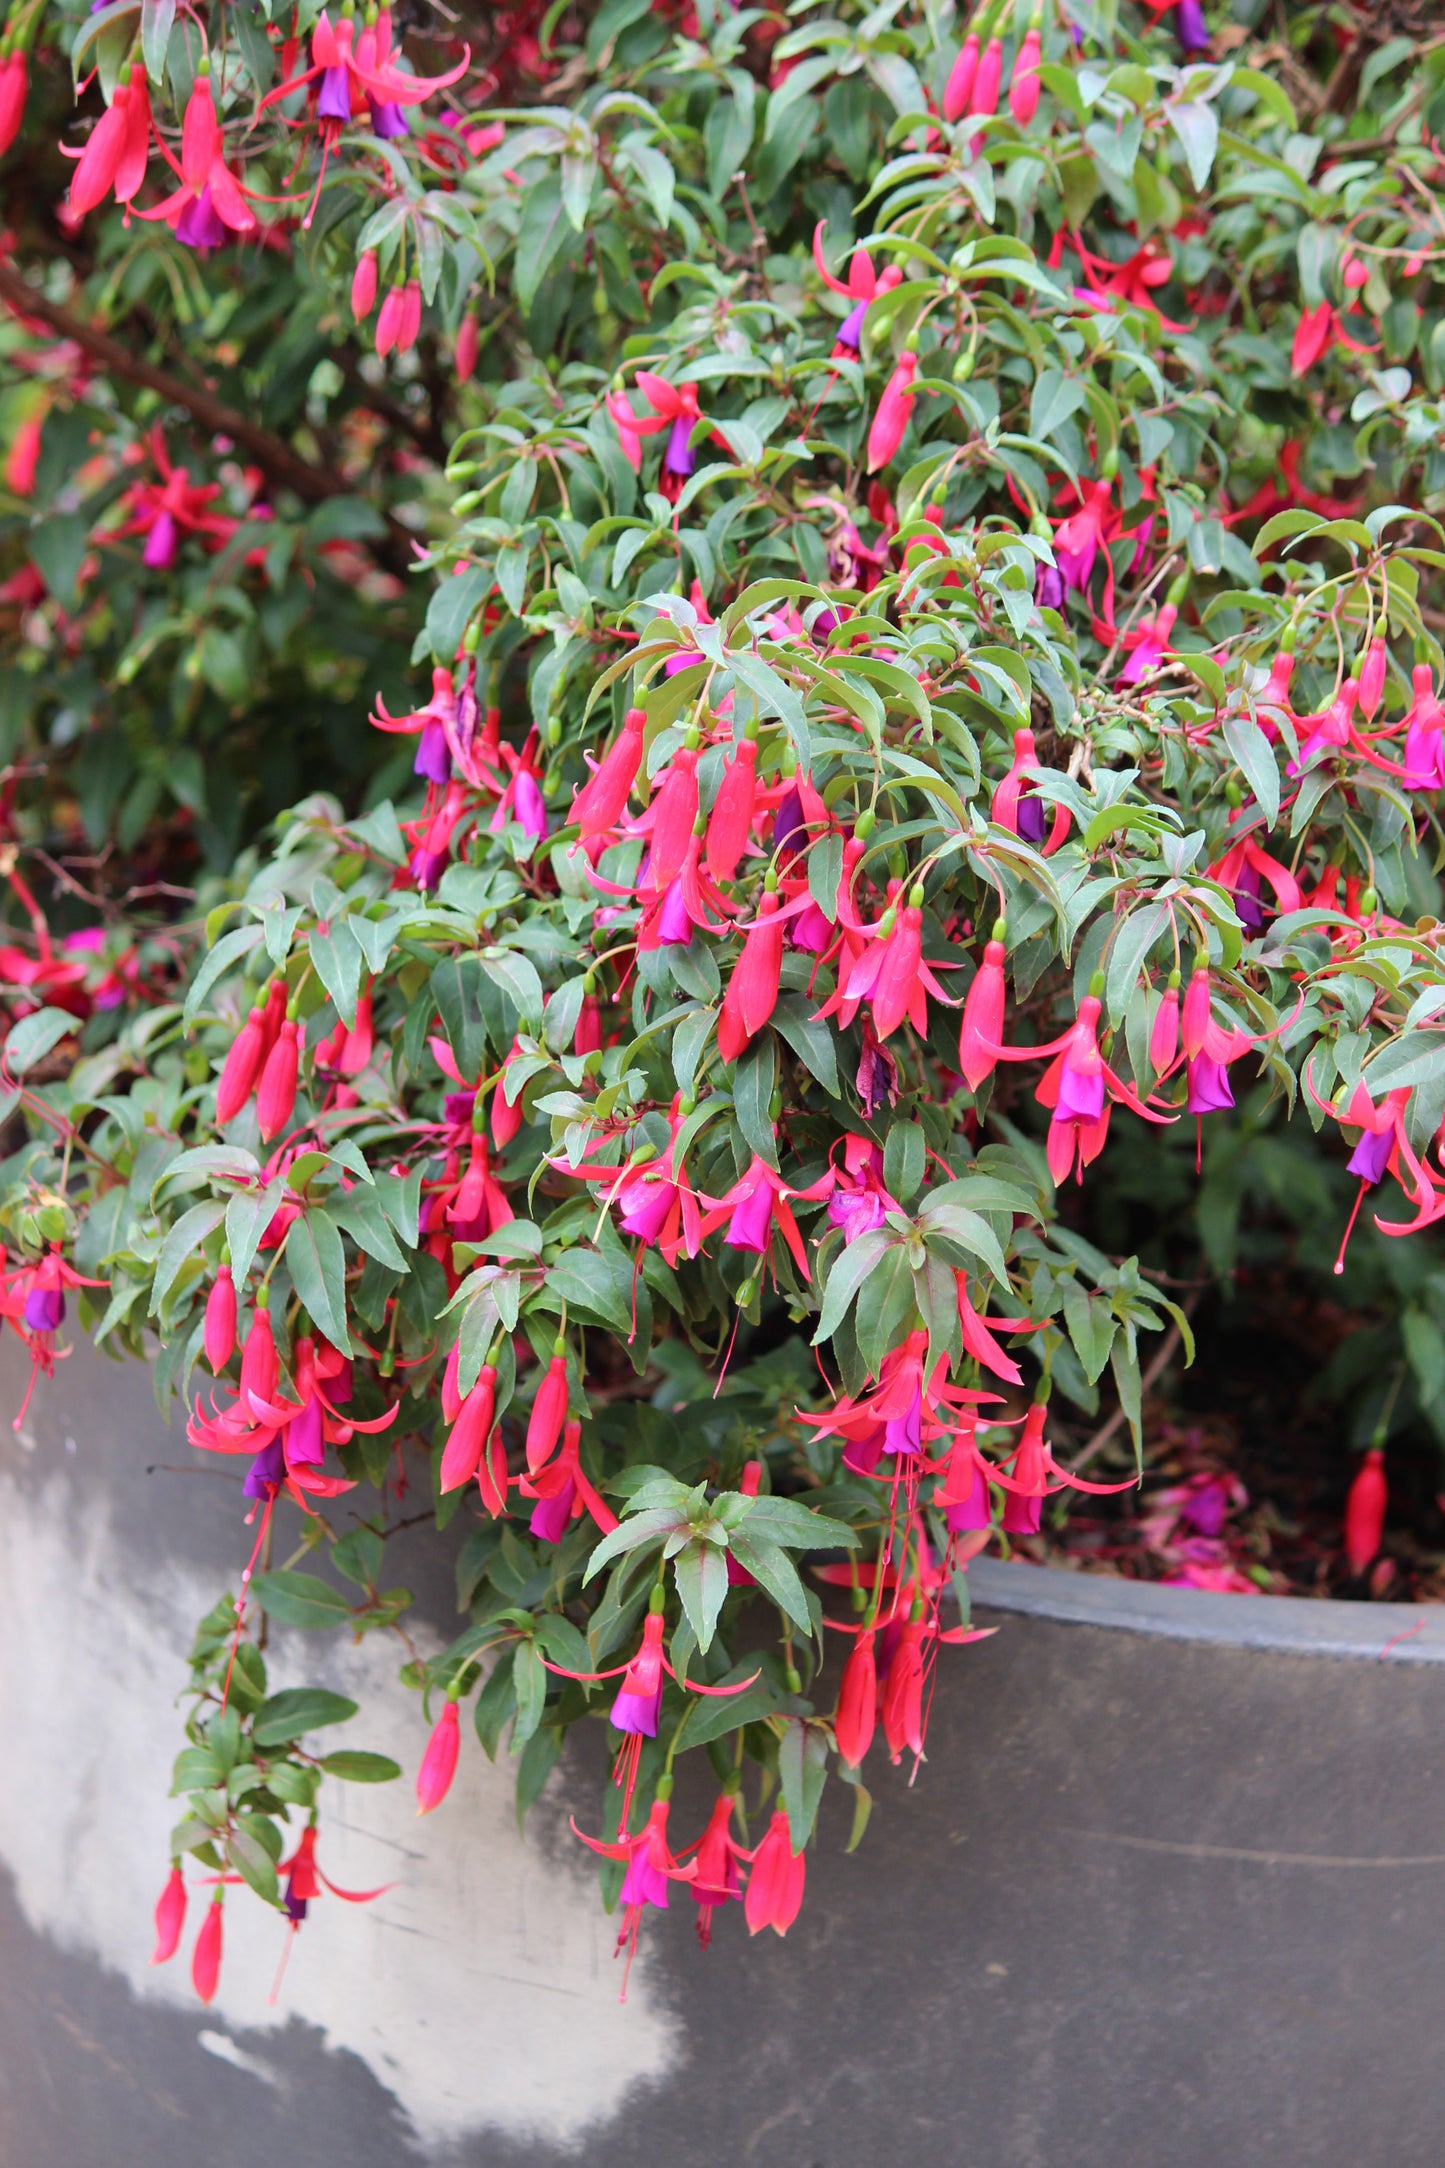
1150 1901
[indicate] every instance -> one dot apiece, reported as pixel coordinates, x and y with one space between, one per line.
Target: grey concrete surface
1153 1902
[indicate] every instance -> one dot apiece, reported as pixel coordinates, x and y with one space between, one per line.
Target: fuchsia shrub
918 557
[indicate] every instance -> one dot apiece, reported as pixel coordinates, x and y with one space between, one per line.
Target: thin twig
1164 1355
283 467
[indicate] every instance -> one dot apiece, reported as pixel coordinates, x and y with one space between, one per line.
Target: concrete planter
1170 1891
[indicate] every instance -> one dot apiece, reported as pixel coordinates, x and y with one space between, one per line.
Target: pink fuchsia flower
1246 869
1329 731
1365 1504
755 1205
1018 808
1078 1086
717 1857
651 1867
958 90
433 726
1147 645
563 1493
895 408
32 1297
862 286
439 1762
175 506
305 1881
602 800
1080 537
549 1411
775 1887
983 1010
1383 1141
117 152
206 1957
752 989
1031 1475
1024 84
731 819
170 1917
210 202
14 90
859 1201
676 410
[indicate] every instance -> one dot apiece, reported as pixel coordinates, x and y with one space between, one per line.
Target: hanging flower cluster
891 733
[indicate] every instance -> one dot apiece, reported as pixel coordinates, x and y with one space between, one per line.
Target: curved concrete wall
1155 1898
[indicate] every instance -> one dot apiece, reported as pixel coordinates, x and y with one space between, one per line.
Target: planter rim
1295 1625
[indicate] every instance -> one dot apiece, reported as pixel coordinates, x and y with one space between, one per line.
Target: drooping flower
775 1886
958 90
752 989
675 409
862 286
206 1958
170 1917
718 1880
894 410
439 1762
117 151
210 202
1365 1505
601 801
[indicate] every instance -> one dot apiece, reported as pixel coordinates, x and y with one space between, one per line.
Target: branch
283 467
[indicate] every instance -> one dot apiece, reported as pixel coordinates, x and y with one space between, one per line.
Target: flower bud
363 285
439 1763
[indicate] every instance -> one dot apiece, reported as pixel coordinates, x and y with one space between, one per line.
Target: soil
1245 1473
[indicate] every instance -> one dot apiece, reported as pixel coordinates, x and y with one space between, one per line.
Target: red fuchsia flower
32 1297
1080 537
894 411
23 456
856 1718
958 90
775 1886
471 1427
115 157
549 1411
175 506
439 1762
602 800
348 1050
210 201
1134 282
433 836
435 728
355 73
1245 870
1372 676
1422 766
978 1331
891 974
752 991
1147 645
363 285
676 410
276 1091
1329 731
718 1880
1019 809
1025 83
755 1205
563 1493
304 1882
468 346
1031 1474
962 1494
650 1868
1078 1086
1365 1504
1383 1141
219 1337
248 1052
206 1958
14 89
862 286
731 819
170 1918
983 1010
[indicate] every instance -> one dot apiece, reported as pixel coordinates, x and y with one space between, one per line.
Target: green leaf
354 1767
300 1599
358 1212
754 1073
241 941
254 1864
1197 127
297 1709
36 1036
1251 749
803 1771
317 1263
529 1678
544 229
903 1160
182 1243
811 1041
774 1573
849 1270
701 1573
